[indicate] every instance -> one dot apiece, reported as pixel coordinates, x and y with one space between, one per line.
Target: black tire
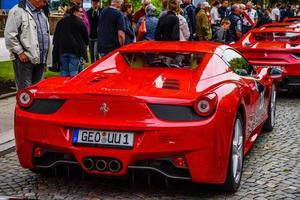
231 185
270 123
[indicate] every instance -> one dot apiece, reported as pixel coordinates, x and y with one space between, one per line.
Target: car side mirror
275 73
242 72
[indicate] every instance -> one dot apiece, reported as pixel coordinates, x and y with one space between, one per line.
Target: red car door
253 88
259 99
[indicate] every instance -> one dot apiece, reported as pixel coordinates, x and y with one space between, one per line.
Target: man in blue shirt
111 28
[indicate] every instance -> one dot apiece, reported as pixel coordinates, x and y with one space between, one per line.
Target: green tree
137 4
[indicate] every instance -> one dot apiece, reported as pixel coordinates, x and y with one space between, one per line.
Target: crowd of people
117 25
102 30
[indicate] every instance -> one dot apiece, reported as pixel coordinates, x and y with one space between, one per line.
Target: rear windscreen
180 60
277 36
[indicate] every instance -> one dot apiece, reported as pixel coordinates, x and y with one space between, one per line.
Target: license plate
102 138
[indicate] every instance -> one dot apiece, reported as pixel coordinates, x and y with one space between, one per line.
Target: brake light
24 98
206 105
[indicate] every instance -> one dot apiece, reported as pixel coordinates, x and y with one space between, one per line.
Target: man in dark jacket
70 40
168 25
189 14
235 30
93 15
223 10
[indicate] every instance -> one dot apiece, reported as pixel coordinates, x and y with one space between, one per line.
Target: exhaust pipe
114 166
101 165
88 163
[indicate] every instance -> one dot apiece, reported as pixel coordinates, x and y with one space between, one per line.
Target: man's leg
23 73
38 73
64 65
96 50
74 65
92 50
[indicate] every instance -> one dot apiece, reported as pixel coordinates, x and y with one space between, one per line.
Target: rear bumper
205 145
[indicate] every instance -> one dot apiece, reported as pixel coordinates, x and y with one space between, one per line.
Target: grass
7 72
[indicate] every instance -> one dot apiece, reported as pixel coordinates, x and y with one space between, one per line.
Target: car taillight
206 105
24 98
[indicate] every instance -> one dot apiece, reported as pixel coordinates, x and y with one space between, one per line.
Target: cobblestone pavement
271 171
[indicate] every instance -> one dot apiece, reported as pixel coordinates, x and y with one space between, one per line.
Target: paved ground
271 171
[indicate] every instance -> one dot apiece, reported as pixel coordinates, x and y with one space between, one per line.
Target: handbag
142 30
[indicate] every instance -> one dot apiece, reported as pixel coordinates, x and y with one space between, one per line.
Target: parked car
187 110
275 47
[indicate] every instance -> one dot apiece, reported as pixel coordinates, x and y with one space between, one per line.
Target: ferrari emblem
104 108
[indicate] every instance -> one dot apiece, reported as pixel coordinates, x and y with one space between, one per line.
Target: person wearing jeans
69 64
93 16
70 41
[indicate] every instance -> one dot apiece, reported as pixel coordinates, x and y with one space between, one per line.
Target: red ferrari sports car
187 110
277 47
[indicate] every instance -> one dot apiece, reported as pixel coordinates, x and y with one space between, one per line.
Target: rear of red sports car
111 119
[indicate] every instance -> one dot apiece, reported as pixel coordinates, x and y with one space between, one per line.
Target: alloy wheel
273 106
237 151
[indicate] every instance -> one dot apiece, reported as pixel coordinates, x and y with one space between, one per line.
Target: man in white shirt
215 17
250 17
275 14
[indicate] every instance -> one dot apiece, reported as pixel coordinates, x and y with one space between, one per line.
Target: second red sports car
187 110
275 47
